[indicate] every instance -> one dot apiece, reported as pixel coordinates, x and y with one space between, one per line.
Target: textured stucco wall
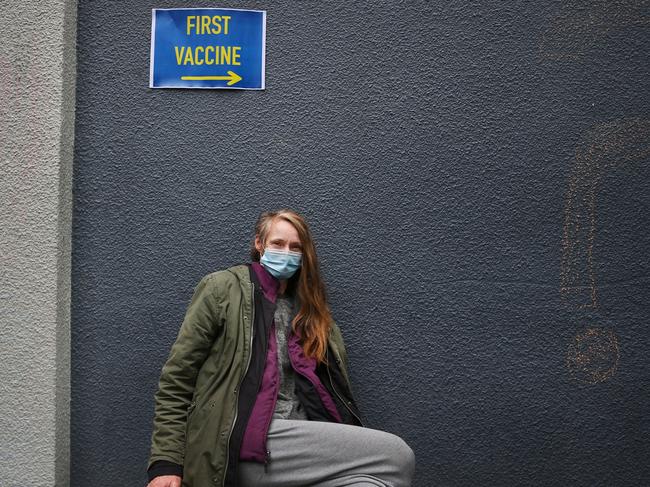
37 89
475 174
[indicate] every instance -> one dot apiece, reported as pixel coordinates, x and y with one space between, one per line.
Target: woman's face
282 236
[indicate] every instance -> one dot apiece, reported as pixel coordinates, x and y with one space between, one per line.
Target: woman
256 391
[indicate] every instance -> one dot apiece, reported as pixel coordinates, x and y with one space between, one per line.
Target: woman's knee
401 456
406 458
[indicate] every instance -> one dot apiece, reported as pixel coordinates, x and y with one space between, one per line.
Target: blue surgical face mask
281 265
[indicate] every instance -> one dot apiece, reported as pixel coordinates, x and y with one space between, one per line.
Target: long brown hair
313 319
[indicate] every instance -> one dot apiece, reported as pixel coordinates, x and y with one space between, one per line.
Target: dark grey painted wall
477 181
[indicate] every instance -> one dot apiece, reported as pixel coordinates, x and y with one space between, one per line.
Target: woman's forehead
283 229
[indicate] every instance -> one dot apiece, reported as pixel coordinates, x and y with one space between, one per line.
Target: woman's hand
165 481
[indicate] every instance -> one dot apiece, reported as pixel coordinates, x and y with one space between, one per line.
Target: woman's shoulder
225 278
335 331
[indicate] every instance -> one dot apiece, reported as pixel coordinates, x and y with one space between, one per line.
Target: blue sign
207 48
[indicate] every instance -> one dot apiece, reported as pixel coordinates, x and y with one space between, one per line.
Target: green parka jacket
196 401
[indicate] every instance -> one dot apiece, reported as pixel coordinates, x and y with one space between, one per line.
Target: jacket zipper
337 392
241 379
267 457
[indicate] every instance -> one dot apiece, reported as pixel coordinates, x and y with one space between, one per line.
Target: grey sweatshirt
287 406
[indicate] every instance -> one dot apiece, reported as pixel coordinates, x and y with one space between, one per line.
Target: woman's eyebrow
280 240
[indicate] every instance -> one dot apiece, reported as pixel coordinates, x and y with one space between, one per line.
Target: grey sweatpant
315 453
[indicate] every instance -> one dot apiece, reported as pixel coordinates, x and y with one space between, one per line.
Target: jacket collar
266 281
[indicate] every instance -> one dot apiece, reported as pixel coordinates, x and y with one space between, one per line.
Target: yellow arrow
232 78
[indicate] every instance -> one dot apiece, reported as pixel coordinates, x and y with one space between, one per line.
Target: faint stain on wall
593 356
605 146
580 26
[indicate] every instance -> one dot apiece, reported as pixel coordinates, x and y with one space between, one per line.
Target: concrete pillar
37 101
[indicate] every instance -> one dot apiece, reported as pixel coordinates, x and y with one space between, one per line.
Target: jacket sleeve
198 331
163 467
